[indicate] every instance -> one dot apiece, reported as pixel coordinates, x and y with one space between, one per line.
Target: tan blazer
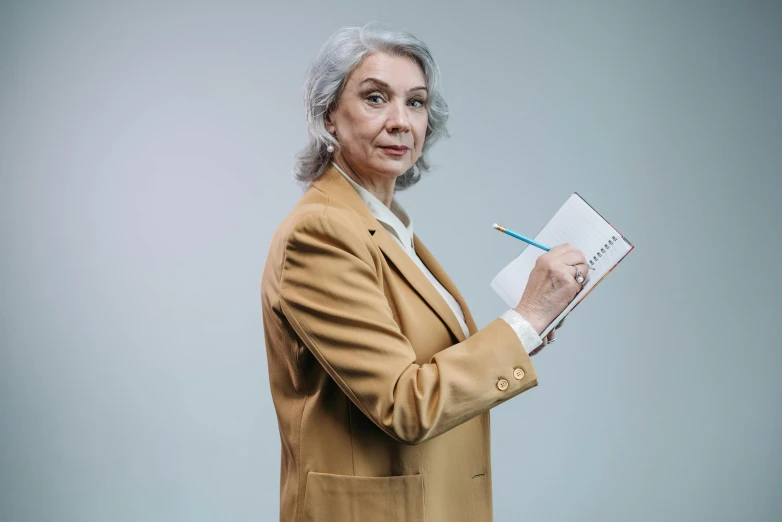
383 406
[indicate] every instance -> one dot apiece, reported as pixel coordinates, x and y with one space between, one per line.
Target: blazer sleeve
331 293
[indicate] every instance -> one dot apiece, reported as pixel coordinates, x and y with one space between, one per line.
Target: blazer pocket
343 498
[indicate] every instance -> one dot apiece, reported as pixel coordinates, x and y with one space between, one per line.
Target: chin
391 170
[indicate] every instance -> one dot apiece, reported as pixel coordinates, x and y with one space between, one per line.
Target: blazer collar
335 185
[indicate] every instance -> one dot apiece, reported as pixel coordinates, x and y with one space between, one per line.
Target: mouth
395 150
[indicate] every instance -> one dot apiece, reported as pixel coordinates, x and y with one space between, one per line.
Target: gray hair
342 53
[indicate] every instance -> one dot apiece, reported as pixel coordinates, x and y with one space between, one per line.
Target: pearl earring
330 148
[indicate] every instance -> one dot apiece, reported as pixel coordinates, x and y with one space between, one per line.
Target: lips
395 150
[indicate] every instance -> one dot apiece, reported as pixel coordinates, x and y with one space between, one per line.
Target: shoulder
319 213
318 221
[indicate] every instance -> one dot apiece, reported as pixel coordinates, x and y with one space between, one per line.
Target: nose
397 119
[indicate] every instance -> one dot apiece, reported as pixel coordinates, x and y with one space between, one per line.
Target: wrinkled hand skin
552 285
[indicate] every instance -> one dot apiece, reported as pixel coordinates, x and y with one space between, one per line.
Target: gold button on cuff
502 384
518 373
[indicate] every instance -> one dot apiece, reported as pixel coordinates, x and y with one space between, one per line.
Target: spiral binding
605 247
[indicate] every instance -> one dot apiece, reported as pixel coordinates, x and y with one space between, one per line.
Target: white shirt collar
393 219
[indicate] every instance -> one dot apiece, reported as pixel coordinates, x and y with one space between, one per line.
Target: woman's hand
551 286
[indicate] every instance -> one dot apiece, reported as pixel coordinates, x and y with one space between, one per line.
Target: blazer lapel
437 270
401 260
335 185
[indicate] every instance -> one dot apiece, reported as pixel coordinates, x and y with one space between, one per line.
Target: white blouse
400 226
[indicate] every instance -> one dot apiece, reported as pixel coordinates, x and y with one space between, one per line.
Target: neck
381 188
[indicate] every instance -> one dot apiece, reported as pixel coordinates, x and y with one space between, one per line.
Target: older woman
381 380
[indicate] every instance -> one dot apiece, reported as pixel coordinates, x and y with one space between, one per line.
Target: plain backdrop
146 152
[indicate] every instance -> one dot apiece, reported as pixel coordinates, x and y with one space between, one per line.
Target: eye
417 103
374 98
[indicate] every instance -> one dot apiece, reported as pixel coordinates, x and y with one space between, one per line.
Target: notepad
577 223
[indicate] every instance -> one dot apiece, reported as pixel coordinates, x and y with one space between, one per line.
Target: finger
550 336
582 268
574 270
569 278
572 257
579 267
560 324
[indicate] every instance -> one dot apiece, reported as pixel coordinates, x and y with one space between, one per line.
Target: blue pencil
526 239
519 236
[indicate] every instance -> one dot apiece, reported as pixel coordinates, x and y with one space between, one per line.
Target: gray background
145 159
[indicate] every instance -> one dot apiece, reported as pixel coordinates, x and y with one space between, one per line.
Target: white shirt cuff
527 334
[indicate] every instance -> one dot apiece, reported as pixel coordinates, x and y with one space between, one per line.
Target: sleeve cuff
524 330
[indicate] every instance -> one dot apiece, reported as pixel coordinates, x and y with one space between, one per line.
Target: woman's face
381 118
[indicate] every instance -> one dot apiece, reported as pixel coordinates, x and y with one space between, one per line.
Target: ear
329 123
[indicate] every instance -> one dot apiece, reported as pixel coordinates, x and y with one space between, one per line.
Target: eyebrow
384 85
